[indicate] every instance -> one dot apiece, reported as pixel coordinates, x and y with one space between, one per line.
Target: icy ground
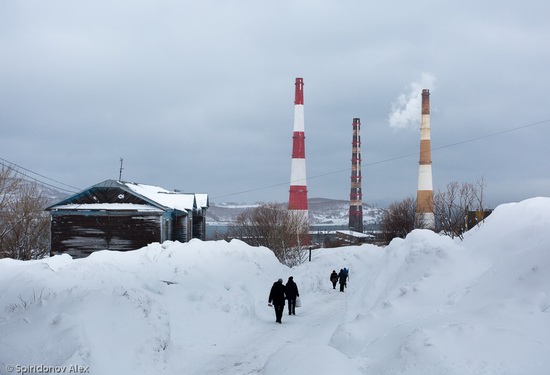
426 304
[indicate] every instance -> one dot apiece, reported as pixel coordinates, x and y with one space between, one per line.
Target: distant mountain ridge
321 211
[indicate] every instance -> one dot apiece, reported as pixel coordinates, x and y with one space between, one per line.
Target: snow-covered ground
426 304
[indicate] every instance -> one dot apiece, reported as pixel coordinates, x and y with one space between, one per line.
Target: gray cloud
199 96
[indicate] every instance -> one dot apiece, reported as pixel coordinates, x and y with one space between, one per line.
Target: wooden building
122 216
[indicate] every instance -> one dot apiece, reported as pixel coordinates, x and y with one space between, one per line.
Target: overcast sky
199 95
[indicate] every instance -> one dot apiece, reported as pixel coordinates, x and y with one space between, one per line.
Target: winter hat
280 280
290 278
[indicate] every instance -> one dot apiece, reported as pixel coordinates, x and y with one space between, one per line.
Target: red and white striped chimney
298 184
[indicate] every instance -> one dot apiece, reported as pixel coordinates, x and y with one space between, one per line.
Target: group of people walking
279 293
341 277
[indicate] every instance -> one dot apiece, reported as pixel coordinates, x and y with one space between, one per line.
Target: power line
491 135
394 158
16 168
74 189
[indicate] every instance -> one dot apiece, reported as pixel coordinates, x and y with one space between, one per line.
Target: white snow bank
301 359
424 304
436 307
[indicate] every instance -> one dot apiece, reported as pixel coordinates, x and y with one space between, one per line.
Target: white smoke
405 112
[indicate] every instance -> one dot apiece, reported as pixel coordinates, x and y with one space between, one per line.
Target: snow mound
425 304
439 307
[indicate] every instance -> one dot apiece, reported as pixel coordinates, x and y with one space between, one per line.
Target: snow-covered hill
321 211
425 304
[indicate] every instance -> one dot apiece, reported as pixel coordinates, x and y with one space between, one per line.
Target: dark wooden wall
80 235
180 230
199 225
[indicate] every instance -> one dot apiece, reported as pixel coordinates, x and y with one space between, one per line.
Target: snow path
426 304
313 324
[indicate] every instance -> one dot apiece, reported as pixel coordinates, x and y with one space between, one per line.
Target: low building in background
122 216
354 238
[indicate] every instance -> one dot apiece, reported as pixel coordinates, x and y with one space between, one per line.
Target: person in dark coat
334 278
277 295
342 276
291 294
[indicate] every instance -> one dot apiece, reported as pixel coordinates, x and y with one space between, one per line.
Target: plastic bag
298 302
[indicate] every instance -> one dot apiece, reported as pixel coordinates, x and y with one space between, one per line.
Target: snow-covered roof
171 199
352 233
110 207
158 198
202 200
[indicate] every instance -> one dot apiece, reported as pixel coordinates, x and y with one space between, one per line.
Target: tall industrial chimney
298 186
356 196
425 195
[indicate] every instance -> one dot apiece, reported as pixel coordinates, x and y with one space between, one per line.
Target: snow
352 233
179 201
426 304
202 200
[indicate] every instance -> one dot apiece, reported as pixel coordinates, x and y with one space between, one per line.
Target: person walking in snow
342 276
277 295
334 278
291 294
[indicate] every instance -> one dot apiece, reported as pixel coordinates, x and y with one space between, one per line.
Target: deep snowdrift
423 305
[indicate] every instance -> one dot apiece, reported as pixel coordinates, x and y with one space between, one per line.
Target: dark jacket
343 276
292 290
277 294
334 277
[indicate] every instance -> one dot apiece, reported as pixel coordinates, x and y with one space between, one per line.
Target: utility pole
121 168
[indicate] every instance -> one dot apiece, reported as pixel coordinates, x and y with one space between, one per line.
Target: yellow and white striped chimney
425 195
